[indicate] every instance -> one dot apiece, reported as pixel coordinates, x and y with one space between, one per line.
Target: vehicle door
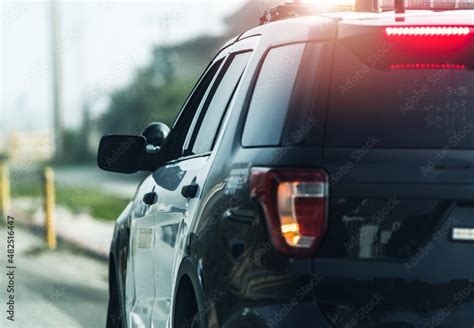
179 182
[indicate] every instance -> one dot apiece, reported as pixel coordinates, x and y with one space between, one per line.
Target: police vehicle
320 174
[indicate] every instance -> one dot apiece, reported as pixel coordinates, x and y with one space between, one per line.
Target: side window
272 95
176 140
203 136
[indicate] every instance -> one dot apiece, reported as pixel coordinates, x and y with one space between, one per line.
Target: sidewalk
53 289
79 230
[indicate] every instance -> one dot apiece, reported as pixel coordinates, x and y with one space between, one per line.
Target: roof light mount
400 6
368 6
287 10
297 8
437 5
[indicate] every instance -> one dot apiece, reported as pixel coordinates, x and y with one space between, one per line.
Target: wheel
114 310
186 314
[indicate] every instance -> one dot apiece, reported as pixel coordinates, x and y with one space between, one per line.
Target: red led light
427 31
428 66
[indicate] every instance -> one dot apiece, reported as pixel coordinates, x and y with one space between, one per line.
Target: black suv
321 173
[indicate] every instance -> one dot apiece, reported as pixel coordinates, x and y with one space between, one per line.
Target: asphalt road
52 289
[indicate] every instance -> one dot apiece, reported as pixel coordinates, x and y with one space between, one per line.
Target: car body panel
140 279
172 217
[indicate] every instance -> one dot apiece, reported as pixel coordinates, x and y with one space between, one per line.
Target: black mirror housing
156 133
121 153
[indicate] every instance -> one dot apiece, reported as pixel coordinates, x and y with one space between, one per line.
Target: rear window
291 83
426 102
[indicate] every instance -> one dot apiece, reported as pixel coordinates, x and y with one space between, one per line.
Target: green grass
97 203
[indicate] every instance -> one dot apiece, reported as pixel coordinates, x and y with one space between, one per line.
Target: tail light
295 206
429 66
429 39
428 31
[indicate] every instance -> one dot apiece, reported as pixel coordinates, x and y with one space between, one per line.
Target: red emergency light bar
428 66
428 31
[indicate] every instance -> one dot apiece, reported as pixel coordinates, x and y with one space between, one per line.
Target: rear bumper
308 315
279 316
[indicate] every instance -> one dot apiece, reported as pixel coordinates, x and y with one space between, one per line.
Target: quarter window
289 100
271 96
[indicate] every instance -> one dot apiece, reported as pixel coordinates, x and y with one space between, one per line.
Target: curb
81 247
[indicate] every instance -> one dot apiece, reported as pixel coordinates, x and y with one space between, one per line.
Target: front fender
119 251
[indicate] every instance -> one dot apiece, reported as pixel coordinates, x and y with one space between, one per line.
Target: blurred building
2 143
191 57
31 146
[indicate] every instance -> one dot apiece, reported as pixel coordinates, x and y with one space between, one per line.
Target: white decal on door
144 237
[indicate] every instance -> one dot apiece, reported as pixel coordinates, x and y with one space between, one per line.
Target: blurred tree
160 89
75 148
154 95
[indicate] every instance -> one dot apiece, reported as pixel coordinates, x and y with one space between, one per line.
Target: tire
186 314
114 309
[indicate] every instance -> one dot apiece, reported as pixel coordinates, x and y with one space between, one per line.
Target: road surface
123 185
52 289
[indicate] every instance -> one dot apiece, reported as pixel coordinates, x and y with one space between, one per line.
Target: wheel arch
188 271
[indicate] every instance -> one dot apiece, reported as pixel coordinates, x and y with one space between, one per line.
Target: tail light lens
429 39
429 31
295 206
428 66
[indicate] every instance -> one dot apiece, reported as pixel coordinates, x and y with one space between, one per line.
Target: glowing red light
428 66
426 31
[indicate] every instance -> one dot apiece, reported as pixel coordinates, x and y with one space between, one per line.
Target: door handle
190 191
150 198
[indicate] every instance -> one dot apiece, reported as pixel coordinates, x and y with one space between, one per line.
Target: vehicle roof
388 18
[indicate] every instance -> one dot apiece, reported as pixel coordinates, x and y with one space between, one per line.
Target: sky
101 45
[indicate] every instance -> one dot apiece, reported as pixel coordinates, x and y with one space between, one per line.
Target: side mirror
155 134
122 154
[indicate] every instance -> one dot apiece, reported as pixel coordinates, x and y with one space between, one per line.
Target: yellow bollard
49 200
5 199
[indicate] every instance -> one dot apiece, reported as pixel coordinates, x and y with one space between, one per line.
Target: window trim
186 111
202 104
188 157
187 151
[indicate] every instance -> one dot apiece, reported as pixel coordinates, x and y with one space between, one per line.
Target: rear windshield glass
414 105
